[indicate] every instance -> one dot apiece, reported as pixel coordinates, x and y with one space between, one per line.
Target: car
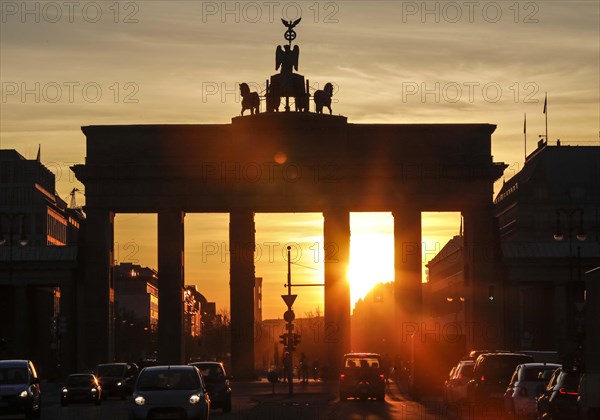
20 389
362 377
169 391
491 375
588 401
217 384
455 388
528 381
81 387
559 398
116 379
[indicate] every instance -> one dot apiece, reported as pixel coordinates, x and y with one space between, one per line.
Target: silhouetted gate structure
284 162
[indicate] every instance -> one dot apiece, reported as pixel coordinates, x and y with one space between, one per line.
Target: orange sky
135 62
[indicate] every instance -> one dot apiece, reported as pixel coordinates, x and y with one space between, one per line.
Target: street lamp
571 214
576 290
458 301
7 239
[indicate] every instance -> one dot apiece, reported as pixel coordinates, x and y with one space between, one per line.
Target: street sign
289 315
289 299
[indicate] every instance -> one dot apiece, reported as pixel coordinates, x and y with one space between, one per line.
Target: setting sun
371 252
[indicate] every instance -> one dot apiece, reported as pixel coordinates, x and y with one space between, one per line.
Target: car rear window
362 362
502 365
538 374
569 380
465 371
171 379
211 373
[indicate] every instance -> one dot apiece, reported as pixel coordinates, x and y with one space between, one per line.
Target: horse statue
250 100
323 98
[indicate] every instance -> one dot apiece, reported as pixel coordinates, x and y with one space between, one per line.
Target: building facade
549 225
548 228
38 265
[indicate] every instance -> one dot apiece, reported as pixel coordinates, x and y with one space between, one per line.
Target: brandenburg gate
281 162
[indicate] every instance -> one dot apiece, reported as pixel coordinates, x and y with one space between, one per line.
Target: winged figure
287 58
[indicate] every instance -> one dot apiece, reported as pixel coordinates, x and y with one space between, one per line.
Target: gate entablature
307 158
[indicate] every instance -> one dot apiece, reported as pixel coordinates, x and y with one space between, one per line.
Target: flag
525 123
545 102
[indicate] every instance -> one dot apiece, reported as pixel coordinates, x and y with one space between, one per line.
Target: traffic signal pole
290 340
289 317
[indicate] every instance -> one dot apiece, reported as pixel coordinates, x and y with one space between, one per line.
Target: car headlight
139 400
24 394
194 399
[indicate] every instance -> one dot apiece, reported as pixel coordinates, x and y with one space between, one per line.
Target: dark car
491 375
217 384
81 387
19 389
362 377
116 379
169 392
559 398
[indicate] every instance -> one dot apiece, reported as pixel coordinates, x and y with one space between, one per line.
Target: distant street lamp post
8 239
575 291
580 235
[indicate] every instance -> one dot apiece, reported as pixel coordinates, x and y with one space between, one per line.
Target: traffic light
296 339
283 339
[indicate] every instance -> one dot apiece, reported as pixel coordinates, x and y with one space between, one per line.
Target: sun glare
371 252
372 246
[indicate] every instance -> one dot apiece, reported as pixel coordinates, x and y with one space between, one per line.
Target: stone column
407 275
241 288
484 298
95 324
170 286
336 231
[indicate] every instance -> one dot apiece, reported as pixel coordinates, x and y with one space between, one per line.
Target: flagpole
546 112
525 132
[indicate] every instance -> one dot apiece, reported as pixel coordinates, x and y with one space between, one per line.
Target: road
311 401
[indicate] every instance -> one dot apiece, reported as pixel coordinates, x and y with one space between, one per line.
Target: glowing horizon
207 252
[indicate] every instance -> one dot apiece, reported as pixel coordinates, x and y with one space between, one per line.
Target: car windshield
211 372
362 362
80 380
13 375
171 379
111 370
